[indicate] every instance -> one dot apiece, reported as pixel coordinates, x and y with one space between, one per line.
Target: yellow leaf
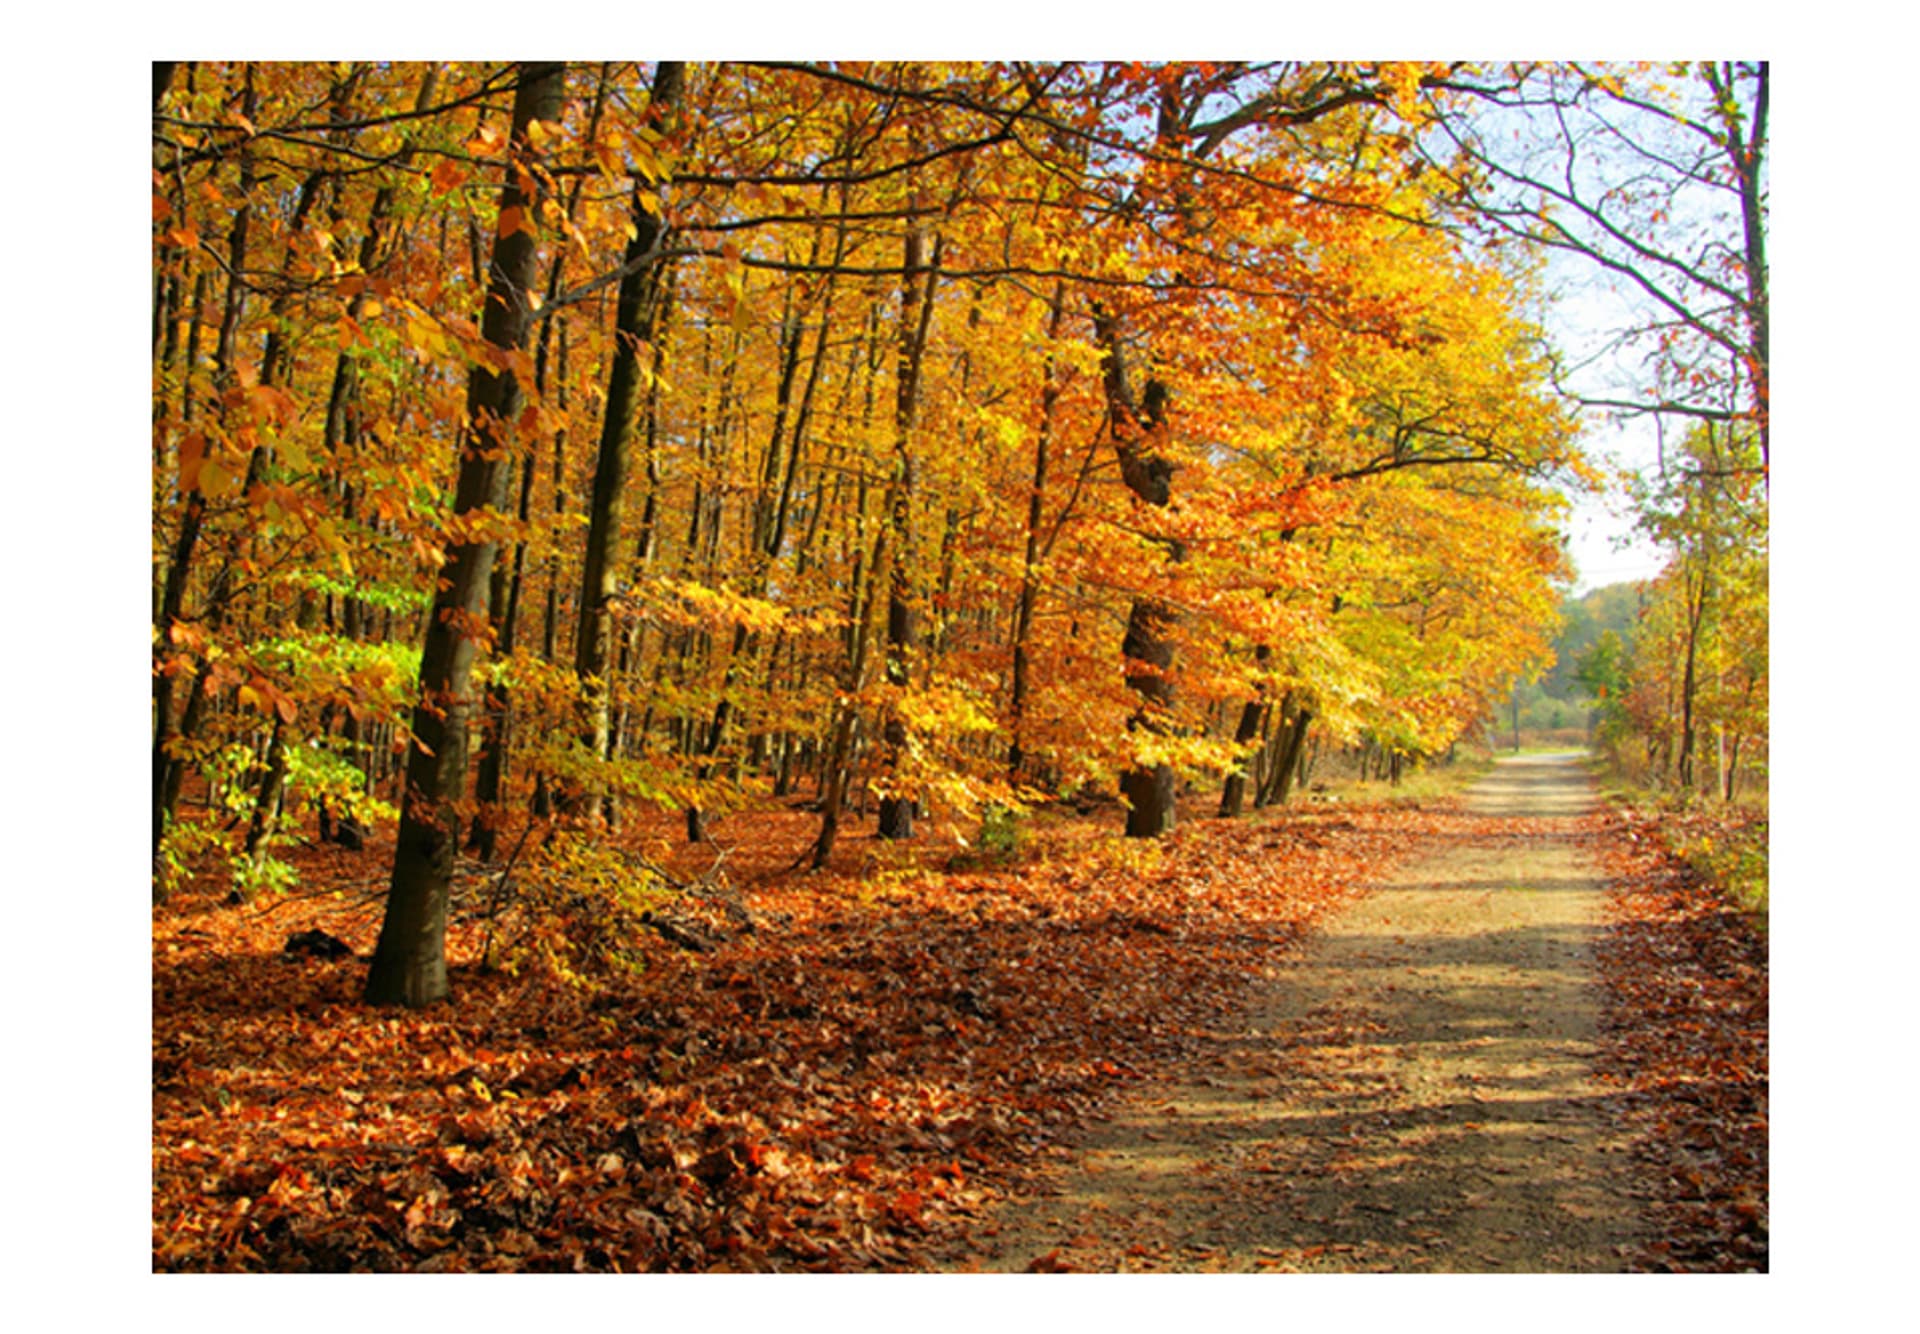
216 481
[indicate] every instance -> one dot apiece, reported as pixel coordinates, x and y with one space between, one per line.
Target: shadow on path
1413 1092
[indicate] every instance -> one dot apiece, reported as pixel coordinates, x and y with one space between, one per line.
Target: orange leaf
193 452
447 176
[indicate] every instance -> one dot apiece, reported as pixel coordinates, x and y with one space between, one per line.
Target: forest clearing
772 666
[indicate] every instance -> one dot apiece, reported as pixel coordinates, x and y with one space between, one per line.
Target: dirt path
1412 1092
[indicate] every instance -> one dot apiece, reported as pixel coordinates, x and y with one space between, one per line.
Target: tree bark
1253 717
409 962
1030 564
1746 153
1293 735
916 310
593 642
1148 647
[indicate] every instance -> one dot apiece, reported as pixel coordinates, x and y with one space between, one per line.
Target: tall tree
409 962
633 317
1656 177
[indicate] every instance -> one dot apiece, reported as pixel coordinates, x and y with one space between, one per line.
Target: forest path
1412 1091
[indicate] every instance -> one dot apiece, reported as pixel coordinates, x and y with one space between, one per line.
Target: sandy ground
1412 1092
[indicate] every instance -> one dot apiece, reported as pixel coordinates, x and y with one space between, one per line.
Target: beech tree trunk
1253 717
1291 735
916 308
593 644
409 962
1030 563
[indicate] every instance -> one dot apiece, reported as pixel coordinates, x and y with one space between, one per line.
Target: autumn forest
739 648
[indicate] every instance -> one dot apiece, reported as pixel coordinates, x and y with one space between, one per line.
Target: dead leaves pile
1686 1042
839 1090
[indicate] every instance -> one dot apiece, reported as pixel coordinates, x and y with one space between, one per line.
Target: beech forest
743 650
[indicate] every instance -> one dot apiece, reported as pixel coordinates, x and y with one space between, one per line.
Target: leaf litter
857 1085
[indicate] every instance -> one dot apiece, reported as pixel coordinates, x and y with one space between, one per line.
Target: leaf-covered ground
887 1050
1686 1025
845 1087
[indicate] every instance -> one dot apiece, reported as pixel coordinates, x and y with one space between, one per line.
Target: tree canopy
967 434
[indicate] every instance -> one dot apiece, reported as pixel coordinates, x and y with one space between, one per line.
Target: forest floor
1507 1033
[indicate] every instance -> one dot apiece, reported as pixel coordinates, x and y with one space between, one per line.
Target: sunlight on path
1414 1092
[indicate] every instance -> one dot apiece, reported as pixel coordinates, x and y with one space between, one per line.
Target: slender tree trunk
839 760
542 802
1030 564
916 311
633 315
1253 717
503 608
1289 764
266 803
1745 141
1689 683
837 756
409 962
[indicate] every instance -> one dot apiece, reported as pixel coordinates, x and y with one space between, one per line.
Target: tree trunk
266 805
1148 647
1291 736
409 962
1030 564
837 756
167 770
503 607
1290 766
916 310
633 315
1689 682
1746 148
1253 717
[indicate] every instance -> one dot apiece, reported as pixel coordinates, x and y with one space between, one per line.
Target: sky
1601 535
